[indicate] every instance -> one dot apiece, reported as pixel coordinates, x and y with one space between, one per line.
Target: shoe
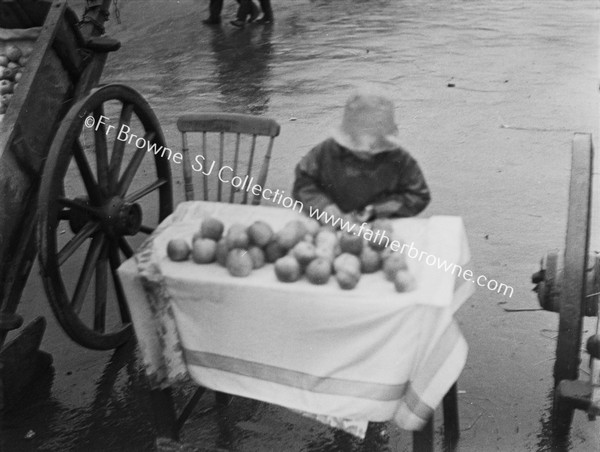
265 20
253 13
238 23
211 21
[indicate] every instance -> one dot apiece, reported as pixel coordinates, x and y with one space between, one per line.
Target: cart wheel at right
106 185
573 293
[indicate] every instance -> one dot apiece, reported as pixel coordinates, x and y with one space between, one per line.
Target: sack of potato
16 46
300 248
11 68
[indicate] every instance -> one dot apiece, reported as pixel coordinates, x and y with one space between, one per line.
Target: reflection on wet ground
488 96
112 420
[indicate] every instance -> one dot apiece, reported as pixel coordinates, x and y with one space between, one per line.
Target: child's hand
331 211
365 215
335 217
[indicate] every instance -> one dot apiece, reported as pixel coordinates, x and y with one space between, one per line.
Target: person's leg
214 12
267 10
243 12
254 11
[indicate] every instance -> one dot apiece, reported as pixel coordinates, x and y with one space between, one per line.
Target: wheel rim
573 290
100 195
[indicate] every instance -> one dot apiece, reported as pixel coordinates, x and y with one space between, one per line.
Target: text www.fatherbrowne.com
380 237
227 175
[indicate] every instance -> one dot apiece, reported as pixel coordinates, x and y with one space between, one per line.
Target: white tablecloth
368 354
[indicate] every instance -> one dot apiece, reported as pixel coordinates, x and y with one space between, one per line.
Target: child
362 172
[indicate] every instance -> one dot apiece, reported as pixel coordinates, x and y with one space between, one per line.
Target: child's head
368 122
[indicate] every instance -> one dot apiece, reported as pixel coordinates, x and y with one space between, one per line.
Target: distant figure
248 10
362 172
216 6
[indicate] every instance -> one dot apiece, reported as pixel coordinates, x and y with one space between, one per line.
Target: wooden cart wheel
572 297
104 188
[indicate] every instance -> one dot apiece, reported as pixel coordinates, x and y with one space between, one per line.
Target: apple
13 53
404 281
287 269
178 250
347 281
204 251
6 87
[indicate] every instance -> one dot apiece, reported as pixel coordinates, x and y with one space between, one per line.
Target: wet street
488 95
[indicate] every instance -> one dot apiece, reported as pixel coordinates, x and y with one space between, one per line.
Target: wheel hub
549 283
122 218
117 217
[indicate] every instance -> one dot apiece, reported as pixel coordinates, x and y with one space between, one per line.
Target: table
368 354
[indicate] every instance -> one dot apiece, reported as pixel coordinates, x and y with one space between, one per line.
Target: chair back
230 152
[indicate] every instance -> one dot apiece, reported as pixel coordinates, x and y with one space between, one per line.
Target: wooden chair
230 145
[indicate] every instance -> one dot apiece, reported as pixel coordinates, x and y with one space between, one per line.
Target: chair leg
423 439
222 399
451 419
188 408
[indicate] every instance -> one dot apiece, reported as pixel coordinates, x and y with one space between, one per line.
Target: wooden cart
64 176
569 284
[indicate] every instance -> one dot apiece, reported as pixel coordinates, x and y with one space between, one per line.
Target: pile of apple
12 63
300 248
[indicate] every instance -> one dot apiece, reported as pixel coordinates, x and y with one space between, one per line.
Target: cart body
65 64
38 104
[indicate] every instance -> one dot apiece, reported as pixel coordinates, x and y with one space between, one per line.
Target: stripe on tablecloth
295 379
417 406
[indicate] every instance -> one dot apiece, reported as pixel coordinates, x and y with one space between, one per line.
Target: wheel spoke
146 229
125 247
77 205
72 245
115 263
133 166
101 149
64 214
91 259
146 190
101 291
118 149
87 174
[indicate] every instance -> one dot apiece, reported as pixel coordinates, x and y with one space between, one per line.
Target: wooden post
423 439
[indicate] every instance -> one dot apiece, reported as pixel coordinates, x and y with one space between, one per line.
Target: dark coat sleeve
307 185
410 195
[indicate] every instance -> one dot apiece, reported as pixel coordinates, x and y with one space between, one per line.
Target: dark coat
390 181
